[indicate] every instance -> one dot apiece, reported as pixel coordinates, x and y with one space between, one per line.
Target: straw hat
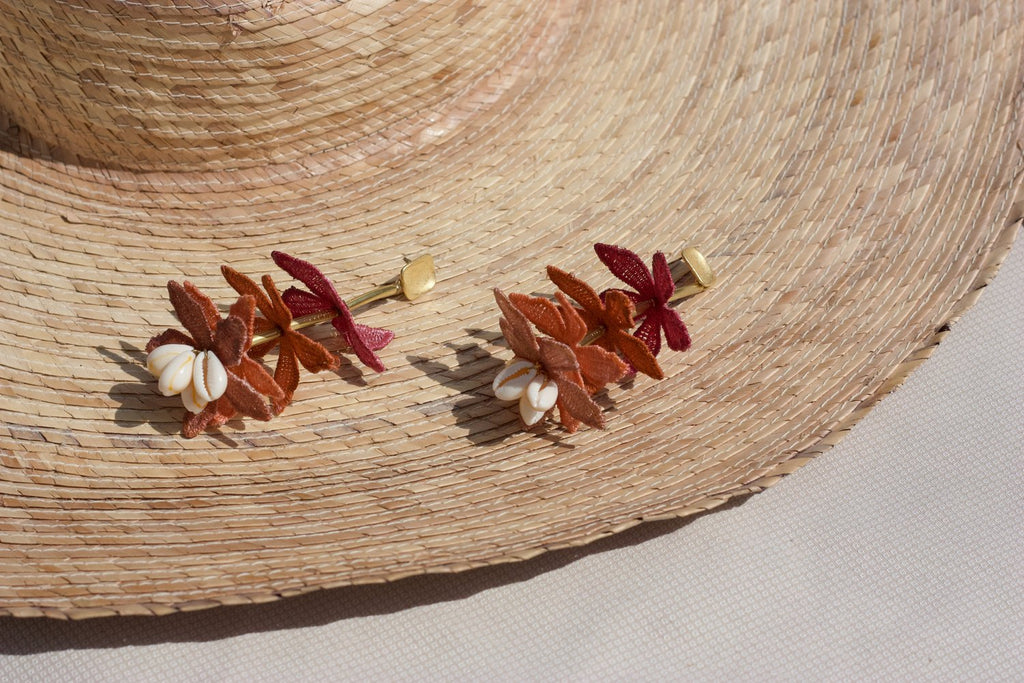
852 174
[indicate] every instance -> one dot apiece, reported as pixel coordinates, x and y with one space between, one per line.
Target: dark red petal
245 399
628 267
343 321
351 336
300 302
309 275
664 285
375 338
191 312
169 336
676 334
649 331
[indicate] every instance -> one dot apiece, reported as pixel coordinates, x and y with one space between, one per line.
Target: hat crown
225 84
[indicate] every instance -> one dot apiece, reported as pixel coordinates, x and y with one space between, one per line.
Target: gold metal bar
297 324
382 292
593 335
414 280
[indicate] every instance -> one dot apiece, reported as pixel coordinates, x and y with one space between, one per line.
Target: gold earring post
704 279
415 279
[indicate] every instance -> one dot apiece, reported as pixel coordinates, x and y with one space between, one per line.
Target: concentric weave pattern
851 173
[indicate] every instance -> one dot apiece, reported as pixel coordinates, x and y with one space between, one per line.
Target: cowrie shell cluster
523 381
198 376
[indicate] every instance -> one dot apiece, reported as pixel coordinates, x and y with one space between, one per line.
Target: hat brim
853 178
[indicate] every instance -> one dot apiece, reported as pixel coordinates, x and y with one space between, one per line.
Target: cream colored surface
851 171
895 556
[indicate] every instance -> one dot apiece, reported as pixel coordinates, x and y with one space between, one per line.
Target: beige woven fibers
851 171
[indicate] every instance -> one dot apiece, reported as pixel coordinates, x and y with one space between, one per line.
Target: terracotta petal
253 373
169 336
599 367
579 404
313 356
247 400
247 286
516 329
286 375
231 341
191 313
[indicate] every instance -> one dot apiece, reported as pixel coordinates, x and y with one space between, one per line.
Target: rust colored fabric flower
653 290
228 339
550 360
294 348
563 323
615 314
322 297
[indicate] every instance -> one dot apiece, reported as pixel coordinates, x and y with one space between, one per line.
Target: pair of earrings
582 346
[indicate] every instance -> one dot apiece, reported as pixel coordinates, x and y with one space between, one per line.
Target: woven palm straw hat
850 172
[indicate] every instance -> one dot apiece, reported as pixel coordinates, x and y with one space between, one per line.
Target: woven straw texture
852 172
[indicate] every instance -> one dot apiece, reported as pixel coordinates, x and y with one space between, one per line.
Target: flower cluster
215 366
561 369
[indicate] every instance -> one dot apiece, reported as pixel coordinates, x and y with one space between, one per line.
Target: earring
591 340
215 368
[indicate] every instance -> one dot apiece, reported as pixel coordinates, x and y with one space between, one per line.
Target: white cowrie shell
177 374
216 376
541 393
191 401
209 378
159 357
531 416
511 382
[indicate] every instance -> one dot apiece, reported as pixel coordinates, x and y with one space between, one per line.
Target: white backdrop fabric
898 554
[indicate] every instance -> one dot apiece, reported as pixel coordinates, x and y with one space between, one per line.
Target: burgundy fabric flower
229 339
654 290
322 297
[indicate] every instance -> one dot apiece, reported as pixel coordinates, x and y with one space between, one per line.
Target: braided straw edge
995 258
